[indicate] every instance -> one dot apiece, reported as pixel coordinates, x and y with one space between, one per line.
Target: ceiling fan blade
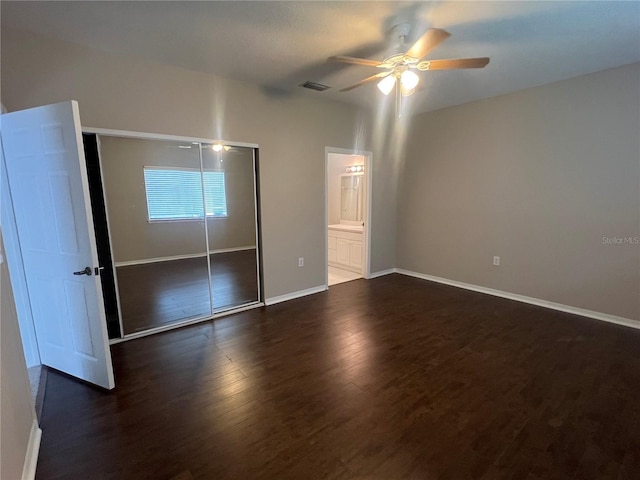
453 64
366 80
355 61
427 42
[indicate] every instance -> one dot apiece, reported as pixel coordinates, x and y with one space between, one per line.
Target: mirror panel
229 178
153 191
351 198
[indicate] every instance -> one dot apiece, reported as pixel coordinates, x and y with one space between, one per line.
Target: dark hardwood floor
156 294
392 378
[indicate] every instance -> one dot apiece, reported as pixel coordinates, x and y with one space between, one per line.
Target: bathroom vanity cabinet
346 247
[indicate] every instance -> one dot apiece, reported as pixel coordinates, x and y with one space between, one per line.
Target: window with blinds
176 194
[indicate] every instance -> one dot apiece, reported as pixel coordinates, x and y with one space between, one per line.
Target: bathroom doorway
348 214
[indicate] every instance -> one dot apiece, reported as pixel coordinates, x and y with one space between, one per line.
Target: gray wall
16 406
134 238
124 93
537 177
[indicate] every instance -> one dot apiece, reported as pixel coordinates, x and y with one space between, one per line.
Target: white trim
605 317
347 151
185 323
160 259
31 456
160 136
182 257
293 295
383 272
232 249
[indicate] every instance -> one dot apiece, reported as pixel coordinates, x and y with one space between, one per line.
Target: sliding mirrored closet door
154 200
230 199
183 229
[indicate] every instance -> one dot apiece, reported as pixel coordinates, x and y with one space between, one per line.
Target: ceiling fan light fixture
386 84
409 80
407 91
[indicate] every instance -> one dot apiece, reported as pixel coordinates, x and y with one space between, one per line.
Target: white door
48 181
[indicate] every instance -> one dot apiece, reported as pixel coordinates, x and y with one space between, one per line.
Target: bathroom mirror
351 199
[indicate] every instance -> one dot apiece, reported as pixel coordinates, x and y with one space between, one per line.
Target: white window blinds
176 194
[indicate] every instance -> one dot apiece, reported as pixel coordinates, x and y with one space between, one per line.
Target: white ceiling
279 45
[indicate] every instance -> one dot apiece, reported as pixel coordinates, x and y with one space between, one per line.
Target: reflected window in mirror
175 194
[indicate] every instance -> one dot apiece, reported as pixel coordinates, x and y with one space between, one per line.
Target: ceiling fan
399 67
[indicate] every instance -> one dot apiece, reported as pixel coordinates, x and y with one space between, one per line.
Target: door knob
86 271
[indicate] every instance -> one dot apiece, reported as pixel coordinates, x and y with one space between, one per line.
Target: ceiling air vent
314 86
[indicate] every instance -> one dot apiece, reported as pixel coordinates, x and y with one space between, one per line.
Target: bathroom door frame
368 175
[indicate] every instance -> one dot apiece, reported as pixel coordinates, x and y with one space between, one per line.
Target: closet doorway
179 239
348 214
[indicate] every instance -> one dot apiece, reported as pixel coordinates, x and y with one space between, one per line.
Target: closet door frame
103 132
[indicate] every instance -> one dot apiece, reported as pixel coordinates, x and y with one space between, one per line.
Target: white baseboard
182 257
33 448
232 249
382 273
605 317
292 295
159 259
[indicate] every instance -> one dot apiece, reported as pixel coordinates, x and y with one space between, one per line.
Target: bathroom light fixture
355 169
217 147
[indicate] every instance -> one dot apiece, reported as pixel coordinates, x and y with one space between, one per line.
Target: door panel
355 254
343 251
230 200
153 193
48 183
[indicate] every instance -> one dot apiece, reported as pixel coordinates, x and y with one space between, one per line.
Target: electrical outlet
496 261
301 262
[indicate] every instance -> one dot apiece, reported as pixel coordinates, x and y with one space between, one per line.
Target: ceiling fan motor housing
397 40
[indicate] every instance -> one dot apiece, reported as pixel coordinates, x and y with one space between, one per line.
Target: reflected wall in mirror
230 199
351 192
153 193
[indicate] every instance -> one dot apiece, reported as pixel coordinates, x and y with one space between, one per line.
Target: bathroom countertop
347 228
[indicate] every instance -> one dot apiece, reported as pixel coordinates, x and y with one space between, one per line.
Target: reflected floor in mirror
156 294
